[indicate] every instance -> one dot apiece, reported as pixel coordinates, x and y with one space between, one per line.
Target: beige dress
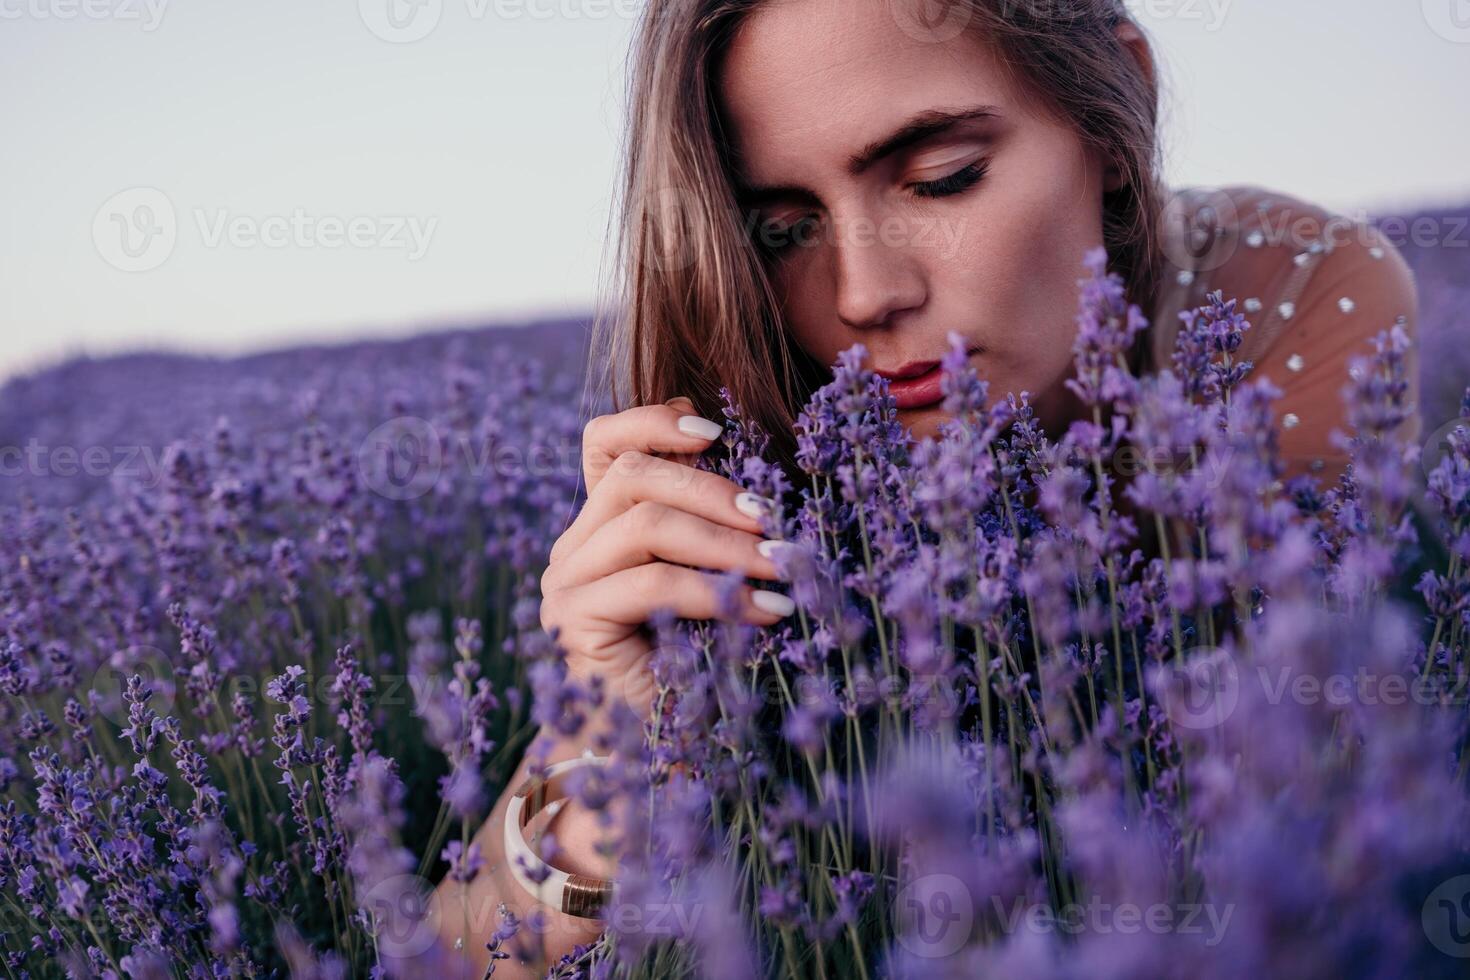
1315 285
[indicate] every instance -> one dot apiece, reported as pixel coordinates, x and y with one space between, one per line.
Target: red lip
910 370
918 384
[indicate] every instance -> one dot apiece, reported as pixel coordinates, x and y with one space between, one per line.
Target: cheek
807 302
1016 268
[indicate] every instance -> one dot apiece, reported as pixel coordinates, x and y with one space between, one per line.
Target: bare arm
470 911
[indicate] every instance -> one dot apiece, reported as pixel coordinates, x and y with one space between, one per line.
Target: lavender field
271 648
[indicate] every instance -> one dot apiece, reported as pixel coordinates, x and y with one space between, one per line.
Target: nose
876 280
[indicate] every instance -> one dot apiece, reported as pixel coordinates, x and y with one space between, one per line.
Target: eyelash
956 183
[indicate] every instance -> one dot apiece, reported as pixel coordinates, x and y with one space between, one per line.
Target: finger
638 477
651 531
647 429
685 405
632 596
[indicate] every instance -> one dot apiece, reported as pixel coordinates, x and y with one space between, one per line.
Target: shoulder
1316 286
1306 257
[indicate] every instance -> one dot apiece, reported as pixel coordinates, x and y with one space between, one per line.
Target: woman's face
978 226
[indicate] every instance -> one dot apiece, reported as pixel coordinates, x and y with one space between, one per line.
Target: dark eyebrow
918 128
932 122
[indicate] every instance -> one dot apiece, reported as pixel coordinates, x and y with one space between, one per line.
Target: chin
923 422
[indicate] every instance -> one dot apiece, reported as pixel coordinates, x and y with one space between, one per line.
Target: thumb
683 404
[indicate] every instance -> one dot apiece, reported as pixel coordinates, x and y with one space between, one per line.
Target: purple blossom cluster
1040 713
1123 702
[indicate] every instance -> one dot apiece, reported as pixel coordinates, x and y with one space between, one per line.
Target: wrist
580 833
544 794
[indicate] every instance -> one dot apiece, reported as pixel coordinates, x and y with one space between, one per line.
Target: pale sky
343 168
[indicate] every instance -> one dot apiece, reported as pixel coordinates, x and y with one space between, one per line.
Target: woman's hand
647 517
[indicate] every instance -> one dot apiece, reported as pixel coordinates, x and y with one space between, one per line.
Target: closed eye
958 182
776 239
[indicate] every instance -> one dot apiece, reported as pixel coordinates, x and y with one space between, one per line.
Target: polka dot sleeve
1315 320
1316 288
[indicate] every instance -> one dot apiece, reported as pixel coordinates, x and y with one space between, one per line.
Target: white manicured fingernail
773 602
752 505
768 549
693 425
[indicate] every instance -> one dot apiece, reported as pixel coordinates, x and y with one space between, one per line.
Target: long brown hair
691 307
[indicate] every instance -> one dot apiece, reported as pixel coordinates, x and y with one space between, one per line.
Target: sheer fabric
1315 286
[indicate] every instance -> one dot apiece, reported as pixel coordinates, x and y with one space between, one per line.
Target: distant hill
126 409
